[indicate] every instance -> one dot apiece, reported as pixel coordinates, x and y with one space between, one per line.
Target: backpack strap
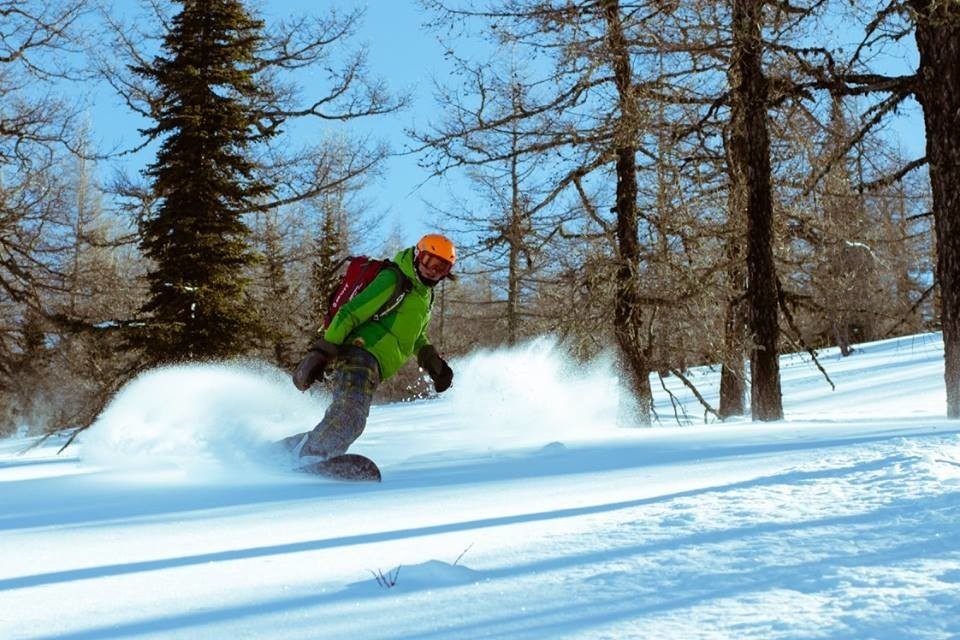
402 288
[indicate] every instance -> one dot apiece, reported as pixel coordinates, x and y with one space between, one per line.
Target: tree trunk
750 162
841 335
515 239
938 41
628 309
733 380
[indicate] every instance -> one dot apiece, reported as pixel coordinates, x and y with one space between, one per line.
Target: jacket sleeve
361 308
422 341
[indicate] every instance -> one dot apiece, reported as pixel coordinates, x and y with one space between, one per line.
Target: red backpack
360 272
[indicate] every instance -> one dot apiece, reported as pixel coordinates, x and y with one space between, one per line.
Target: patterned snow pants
356 376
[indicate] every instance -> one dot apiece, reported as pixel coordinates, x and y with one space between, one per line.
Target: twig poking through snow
389 580
462 553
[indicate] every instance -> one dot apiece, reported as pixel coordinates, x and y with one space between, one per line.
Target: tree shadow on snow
372 537
104 498
583 613
622 456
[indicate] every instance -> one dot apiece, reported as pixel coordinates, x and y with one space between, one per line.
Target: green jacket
398 335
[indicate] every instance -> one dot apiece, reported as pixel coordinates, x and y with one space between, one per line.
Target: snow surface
512 507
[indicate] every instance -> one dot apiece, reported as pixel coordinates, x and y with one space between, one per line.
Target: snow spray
535 391
199 415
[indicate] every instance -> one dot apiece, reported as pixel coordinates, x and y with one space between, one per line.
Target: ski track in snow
511 508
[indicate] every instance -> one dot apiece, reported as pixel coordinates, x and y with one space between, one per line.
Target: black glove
436 367
313 364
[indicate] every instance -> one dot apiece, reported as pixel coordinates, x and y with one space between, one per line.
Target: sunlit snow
514 506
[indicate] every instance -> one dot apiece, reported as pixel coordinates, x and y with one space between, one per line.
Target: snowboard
351 467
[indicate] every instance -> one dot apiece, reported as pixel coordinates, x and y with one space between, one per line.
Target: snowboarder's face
433 267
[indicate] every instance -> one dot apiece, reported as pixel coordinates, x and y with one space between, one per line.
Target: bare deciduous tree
938 91
36 131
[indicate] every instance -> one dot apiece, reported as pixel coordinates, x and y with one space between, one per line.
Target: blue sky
408 57
400 51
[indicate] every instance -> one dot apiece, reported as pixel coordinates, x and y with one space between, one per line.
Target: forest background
679 183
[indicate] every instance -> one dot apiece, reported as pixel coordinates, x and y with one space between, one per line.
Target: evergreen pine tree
276 298
329 251
204 181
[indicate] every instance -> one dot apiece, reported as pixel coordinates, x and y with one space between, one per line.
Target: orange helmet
438 245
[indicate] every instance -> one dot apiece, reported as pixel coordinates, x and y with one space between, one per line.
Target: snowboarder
363 348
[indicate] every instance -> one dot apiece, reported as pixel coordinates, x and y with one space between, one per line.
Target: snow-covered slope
513 507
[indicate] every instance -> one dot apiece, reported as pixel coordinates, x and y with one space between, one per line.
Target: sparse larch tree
750 163
628 307
583 106
938 91
37 125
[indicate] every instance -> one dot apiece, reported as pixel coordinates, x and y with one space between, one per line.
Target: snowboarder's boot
293 444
